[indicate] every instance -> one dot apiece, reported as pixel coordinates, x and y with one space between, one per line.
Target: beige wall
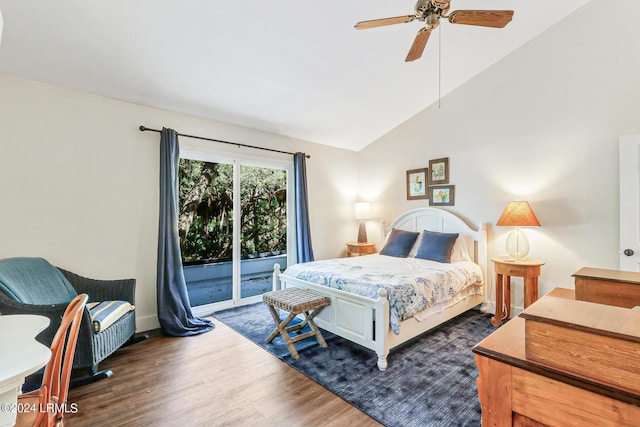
541 125
79 183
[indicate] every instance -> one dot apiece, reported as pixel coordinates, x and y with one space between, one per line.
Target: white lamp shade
362 210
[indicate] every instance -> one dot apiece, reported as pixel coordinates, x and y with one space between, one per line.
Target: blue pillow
436 246
399 243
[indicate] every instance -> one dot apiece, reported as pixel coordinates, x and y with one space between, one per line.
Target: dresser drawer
516 270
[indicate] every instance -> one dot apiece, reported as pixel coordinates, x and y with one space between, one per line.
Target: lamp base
362 233
517 245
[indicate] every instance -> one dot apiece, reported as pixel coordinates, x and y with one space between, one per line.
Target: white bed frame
365 321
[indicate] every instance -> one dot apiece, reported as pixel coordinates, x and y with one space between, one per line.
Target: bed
373 317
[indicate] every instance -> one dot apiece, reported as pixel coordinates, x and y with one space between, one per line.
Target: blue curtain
174 309
304 248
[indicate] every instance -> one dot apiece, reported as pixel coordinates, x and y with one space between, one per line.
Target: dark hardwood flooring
215 379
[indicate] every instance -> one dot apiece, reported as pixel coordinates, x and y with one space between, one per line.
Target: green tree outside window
205 223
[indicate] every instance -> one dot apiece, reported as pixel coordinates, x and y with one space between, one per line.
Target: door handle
628 252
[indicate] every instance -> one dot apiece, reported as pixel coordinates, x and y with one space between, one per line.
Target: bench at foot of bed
295 301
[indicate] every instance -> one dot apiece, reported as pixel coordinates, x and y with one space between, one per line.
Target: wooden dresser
566 380
611 287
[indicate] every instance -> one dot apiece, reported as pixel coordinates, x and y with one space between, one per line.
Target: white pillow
460 250
414 248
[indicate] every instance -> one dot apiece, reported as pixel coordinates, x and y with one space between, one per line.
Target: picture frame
442 195
417 184
439 171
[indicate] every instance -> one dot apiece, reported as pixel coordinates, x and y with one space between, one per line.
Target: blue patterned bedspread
412 284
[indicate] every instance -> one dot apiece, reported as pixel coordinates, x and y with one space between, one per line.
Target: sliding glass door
233 227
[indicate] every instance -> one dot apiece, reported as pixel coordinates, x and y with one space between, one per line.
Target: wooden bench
295 301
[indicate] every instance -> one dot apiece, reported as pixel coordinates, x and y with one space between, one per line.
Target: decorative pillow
436 246
106 313
399 243
460 251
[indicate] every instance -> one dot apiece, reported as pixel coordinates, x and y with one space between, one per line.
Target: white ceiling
291 67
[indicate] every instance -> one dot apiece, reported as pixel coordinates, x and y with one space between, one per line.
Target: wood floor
215 379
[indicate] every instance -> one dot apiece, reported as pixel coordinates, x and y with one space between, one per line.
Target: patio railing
212 282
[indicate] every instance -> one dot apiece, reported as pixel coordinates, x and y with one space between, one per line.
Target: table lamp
518 214
362 212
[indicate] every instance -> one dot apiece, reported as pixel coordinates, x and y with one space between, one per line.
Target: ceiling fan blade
482 18
418 45
362 25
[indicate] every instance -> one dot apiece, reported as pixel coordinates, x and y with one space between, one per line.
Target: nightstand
529 269
357 249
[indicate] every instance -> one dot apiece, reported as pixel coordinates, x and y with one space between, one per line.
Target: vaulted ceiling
291 67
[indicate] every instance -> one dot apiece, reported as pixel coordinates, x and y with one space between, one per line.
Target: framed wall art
439 171
442 195
417 180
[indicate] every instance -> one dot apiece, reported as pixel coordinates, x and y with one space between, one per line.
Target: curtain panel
174 308
304 249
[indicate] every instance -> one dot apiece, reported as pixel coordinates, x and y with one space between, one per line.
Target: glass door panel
263 232
205 228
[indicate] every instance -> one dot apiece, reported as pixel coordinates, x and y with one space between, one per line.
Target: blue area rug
430 381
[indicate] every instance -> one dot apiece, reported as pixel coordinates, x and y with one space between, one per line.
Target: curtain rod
144 128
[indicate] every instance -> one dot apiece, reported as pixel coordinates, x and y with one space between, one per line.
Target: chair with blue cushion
34 286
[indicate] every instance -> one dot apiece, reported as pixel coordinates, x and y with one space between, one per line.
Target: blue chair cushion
34 281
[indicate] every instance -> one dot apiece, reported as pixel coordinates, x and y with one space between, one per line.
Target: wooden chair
48 403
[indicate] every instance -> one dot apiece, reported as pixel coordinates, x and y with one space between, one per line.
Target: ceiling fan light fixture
433 21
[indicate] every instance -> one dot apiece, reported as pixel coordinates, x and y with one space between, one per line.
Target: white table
20 356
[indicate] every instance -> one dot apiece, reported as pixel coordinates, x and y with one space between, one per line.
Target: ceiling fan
430 12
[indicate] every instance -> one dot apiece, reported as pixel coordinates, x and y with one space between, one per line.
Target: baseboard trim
147 323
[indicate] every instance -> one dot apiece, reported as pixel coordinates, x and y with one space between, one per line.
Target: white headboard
436 219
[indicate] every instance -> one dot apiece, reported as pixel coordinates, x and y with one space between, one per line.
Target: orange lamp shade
518 214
